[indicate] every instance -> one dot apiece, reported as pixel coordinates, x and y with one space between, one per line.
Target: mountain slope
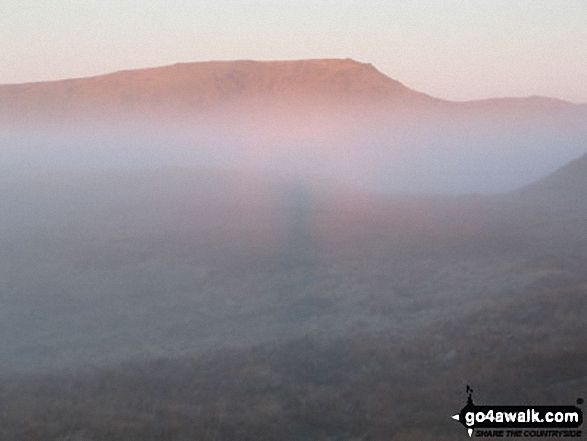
337 119
206 86
203 88
565 188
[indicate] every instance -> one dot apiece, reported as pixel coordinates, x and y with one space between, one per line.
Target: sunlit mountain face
330 120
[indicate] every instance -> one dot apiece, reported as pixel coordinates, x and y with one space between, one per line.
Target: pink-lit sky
455 49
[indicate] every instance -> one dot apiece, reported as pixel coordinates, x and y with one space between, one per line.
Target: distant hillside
206 86
337 119
565 187
187 89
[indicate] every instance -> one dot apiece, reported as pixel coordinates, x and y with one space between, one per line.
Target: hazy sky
457 49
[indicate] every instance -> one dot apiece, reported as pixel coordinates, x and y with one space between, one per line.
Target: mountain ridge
565 188
205 87
332 61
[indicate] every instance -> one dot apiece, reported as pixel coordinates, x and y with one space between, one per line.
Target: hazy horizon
452 50
453 98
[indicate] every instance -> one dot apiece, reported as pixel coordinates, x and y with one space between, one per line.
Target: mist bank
407 153
99 267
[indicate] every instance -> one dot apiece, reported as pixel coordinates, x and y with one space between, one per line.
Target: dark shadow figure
298 255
